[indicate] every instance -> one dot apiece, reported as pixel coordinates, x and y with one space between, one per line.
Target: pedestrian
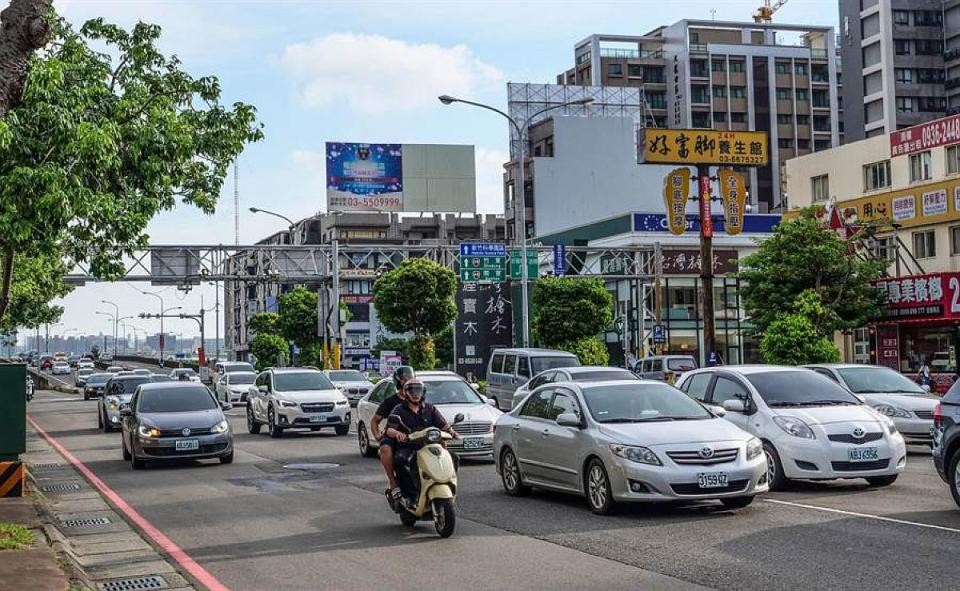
631 361
923 374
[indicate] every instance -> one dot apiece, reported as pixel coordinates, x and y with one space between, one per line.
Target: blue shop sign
761 223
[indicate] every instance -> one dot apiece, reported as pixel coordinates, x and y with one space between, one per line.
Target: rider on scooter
401 376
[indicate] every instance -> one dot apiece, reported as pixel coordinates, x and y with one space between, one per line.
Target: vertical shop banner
676 191
706 221
733 190
484 323
364 177
888 346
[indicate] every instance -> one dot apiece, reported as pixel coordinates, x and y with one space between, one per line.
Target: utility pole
657 297
706 264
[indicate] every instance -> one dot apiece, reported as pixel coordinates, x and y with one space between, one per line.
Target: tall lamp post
116 314
521 223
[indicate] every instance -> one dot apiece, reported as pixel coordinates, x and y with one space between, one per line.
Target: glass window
615 69
634 70
736 66
901 17
440 392
784 119
727 389
905 104
926 344
738 92
785 143
240 378
920 169
696 386
879 380
128 385
801 94
545 363
718 66
541 379
954 247
925 244
738 117
953 159
901 46
798 387
656 365
782 67
563 402
523 366
346 375
298 381
719 117
509 364
603 375
719 91
641 402
681 364
176 400
800 69
876 176
538 404
904 75
496 365
783 94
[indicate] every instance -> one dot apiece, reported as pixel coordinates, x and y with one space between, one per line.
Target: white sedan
451 395
60 368
234 386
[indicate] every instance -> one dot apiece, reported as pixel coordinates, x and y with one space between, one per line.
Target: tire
444 517
135 463
363 439
107 427
407 518
597 486
85 396
510 475
272 428
99 419
126 452
736 502
227 459
878 481
342 429
775 476
953 477
253 427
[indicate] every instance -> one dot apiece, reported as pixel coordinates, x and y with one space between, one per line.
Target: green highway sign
532 267
482 268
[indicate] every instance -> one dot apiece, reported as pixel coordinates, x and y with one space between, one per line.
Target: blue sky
367 71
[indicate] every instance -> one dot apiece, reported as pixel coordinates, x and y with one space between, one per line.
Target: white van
509 369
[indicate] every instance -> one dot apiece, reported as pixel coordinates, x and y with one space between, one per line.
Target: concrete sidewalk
36 567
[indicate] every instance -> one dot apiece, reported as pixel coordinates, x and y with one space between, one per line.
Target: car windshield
799 387
879 380
604 375
186 370
545 363
638 403
176 400
301 380
349 375
85 372
130 384
238 367
681 364
98 378
451 392
242 378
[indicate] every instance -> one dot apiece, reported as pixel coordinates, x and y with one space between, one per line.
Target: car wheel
882 480
272 428
775 474
736 502
99 419
135 463
510 475
85 396
597 485
126 452
953 477
363 438
342 429
227 459
253 427
107 427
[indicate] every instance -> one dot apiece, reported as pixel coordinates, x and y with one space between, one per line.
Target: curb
56 540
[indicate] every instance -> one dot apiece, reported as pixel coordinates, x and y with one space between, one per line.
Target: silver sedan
626 441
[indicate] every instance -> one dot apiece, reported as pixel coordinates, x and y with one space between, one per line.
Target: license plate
318 419
188 445
863 454
473 442
712 479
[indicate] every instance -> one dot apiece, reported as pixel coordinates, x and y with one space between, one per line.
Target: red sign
706 223
201 357
925 136
919 297
161 340
888 346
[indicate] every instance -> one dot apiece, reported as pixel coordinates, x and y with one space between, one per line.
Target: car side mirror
459 418
225 406
125 410
734 405
263 389
568 419
719 411
491 402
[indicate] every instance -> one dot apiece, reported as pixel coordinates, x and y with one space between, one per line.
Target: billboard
484 323
401 177
364 177
932 134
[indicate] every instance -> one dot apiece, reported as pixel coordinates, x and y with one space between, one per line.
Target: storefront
920 324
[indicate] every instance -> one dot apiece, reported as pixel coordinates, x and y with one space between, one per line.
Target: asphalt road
256 524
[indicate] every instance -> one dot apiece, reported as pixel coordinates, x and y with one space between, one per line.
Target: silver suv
296 398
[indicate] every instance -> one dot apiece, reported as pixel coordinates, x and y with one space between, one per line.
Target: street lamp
521 157
160 343
290 222
116 314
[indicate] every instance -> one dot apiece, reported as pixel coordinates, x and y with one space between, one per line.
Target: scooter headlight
433 436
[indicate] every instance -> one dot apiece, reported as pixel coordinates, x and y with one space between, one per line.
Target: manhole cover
63 487
318 466
136 583
85 522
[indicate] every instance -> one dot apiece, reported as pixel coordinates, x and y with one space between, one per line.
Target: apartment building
242 301
902 59
779 78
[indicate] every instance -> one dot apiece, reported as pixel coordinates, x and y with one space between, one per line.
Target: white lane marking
864 515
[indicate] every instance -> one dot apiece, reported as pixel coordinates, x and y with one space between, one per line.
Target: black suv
946 439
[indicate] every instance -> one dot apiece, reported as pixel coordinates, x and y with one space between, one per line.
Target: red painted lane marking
183 559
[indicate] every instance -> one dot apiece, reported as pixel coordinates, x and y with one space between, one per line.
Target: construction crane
764 14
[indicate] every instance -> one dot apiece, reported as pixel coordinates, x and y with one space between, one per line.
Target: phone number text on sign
925 136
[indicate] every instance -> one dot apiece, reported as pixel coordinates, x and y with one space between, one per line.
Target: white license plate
863 454
712 479
318 419
188 445
472 442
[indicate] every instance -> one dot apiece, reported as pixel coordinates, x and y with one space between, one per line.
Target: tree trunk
23 30
7 281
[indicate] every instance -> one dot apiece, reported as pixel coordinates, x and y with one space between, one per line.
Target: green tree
36 281
804 255
298 316
793 338
265 323
417 296
270 350
444 346
569 313
109 132
399 344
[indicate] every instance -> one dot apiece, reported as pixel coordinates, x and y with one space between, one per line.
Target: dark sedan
95 384
175 420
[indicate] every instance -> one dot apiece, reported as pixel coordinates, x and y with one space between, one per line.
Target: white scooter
437 477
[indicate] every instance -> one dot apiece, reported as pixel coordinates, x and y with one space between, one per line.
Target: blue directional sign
482 262
659 334
482 249
559 259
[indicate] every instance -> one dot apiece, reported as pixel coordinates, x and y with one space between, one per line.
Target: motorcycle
429 484
29 388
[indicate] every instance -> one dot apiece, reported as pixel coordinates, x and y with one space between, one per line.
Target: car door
697 386
510 379
495 377
538 380
558 445
728 387
128 425
531 420
260 398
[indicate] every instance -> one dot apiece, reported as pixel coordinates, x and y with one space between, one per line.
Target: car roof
845 365
166 385
293 370
747 369
588 368
131 376
596 383
553 352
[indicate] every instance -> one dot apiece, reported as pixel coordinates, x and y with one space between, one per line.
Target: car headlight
220 427
635 453
287 403
754 448
886 420
145 431
112 403
892 411
343 402
794 427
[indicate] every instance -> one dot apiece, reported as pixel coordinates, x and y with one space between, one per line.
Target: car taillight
937 415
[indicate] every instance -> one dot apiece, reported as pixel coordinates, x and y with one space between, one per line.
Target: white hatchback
811 427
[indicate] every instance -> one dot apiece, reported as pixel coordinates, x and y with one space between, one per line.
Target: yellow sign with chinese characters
733 189
919 205
676 191
705 146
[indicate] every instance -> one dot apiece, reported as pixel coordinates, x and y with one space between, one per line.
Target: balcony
630 53
818 54
698 48
951 54
952 83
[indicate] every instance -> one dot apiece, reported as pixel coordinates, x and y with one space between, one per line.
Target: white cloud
374 74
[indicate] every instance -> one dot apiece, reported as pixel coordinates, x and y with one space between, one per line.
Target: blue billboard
760 223
364 177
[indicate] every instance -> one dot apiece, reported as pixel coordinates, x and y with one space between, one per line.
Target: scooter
436 475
